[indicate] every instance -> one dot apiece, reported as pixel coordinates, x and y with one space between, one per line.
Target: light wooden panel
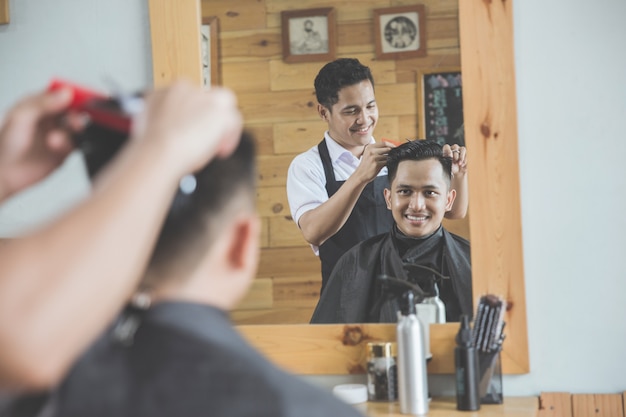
284 233
338 349
175 32
288 262
272 201
555 404
236 15
259 296
446 407
251 44
597 405
564 404
272 169
4 12
289 315
490 116
236 75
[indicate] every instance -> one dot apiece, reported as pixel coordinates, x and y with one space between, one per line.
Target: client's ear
451 197
244 245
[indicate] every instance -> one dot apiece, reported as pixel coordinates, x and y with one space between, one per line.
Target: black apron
369 217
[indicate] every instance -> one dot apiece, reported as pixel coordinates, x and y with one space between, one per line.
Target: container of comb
487 337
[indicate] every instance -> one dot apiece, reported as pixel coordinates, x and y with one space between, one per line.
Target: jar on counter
382 376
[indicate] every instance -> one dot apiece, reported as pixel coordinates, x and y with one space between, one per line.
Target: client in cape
418 249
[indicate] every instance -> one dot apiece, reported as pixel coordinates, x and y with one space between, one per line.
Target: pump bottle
467 374
412 382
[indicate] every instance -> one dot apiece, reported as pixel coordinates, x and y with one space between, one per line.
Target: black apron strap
368 218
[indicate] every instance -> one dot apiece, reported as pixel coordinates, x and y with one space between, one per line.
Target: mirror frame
490 114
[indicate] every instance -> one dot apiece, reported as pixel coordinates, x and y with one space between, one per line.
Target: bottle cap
351 393
381 349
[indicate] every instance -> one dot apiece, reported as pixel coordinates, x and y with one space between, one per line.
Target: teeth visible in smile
362 130
416 218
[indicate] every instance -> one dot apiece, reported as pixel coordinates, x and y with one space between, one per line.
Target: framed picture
308 35
400 32
211 74
440 105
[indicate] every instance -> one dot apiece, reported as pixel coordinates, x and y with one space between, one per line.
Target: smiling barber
335 189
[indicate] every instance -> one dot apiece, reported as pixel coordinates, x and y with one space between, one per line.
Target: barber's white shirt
306 182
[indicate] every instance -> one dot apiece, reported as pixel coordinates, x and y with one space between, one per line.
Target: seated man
418 197
173 352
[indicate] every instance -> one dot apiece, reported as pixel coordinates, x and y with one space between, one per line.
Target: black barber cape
184 360
353 294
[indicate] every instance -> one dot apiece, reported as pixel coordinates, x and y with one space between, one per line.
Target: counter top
440 407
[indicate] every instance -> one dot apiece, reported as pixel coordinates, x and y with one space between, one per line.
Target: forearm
60 287
461 202
323 222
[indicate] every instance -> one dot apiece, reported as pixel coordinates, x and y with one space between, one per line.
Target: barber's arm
61 285
324 221
459 180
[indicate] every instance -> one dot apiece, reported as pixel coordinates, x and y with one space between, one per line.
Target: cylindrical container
412 382
382 377
467 372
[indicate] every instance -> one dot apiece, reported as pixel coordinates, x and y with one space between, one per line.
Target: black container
467 371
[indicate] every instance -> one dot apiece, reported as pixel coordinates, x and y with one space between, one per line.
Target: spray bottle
412 382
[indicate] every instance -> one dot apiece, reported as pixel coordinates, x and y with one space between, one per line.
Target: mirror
251 30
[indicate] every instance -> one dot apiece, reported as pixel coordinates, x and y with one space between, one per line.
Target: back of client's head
224 194
418 150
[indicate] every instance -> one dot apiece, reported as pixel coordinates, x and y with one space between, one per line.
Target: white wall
571 87
570 63
100 44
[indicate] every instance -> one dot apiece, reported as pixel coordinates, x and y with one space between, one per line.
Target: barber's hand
373 159
33 142
459 158
192 124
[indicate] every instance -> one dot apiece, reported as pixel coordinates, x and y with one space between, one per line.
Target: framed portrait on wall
400 32
440 105
308 35
209 31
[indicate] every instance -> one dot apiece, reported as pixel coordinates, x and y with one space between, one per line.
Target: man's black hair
336 75
195 218
418 150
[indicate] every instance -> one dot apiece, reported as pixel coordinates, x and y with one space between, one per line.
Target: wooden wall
278 103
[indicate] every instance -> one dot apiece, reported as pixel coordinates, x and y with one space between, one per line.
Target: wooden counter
440 407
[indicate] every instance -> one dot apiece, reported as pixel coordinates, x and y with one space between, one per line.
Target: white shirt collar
336 151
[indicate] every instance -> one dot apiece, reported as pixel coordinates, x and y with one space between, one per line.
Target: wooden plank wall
278 103
563 404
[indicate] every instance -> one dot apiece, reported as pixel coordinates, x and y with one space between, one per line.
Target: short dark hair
418 150
195 219
335 75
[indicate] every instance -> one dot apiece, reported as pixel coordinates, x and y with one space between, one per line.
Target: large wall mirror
279 109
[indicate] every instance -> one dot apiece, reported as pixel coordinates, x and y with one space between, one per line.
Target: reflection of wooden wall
278 104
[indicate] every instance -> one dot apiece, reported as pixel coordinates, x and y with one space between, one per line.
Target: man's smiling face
419 197
352 120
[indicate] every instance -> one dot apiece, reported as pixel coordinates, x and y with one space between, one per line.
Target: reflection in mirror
209 30
277 103
288 282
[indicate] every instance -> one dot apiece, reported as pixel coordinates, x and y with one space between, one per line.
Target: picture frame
400 32
440 105
209 33
309 35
